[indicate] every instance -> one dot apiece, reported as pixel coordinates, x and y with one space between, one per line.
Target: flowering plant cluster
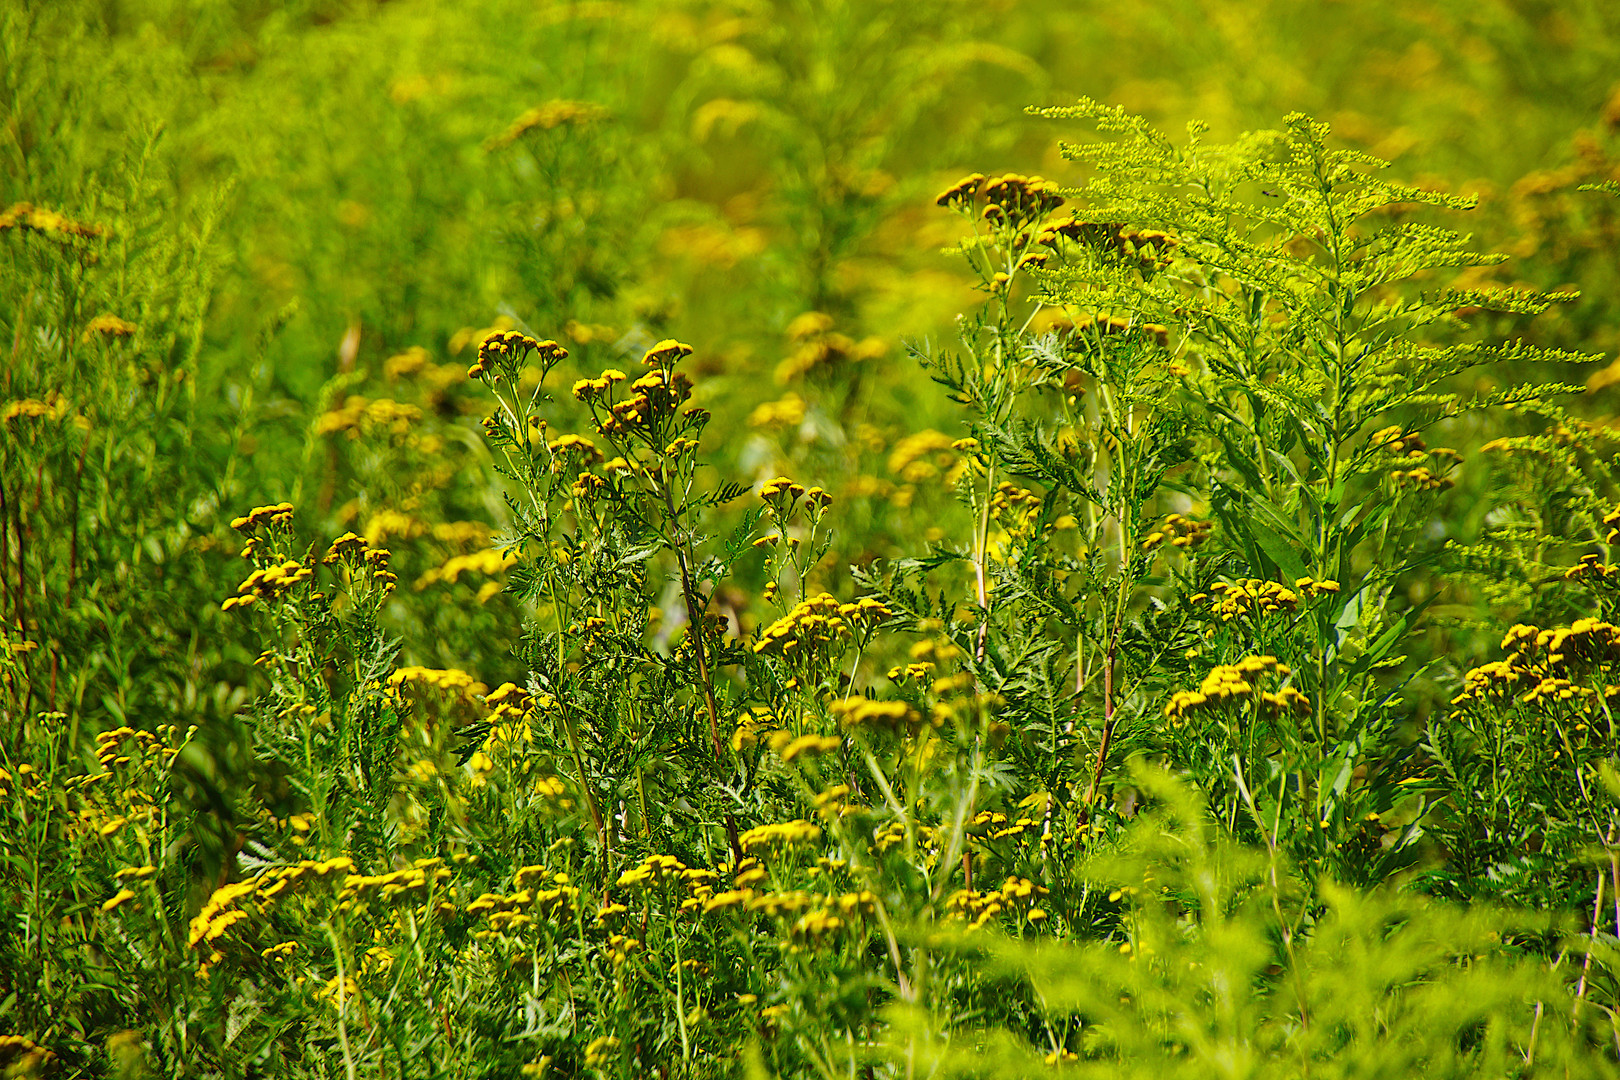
1111 777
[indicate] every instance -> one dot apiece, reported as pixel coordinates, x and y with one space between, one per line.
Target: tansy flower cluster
1229 601
1010 499
26 780
1584 643
600 1051
817 347
756 723
1541 666
54 407
894 717
285 880
125 894
1237 683
109 327
109 752
657 871
1409 446
1398 442
276 514
787 412
504 348
20 1056
818 621
1612 520
1015 894
510 704
994 825
759 724
925 454
1150 249
1498 679
409 884
148 747
413 884
832 802
651 403
571 447
963 193
453 680
513 911
805 746
356 551
358 414
216 918
25 217
1421 479
1178 531
814 916
1311 587
781 835
269 583
782 494
449 689
544 117
829 915
1009 199
1592 570
916 671
586 389
654 870
489 562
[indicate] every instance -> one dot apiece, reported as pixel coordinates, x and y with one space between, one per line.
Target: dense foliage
537 540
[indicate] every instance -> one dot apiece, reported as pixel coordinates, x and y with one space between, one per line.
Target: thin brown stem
579 766
1107 732
694 619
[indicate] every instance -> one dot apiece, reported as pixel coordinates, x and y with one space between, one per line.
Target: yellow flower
489 562
545 117
653 869
51 224
666 351
787 412
809 746
118 899
600 1050
784 834
723 900
891 716
274 514
108 326
962 193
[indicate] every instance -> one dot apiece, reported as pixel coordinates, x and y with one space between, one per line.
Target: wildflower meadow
771 538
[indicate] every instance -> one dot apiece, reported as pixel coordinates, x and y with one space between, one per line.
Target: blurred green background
317 206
